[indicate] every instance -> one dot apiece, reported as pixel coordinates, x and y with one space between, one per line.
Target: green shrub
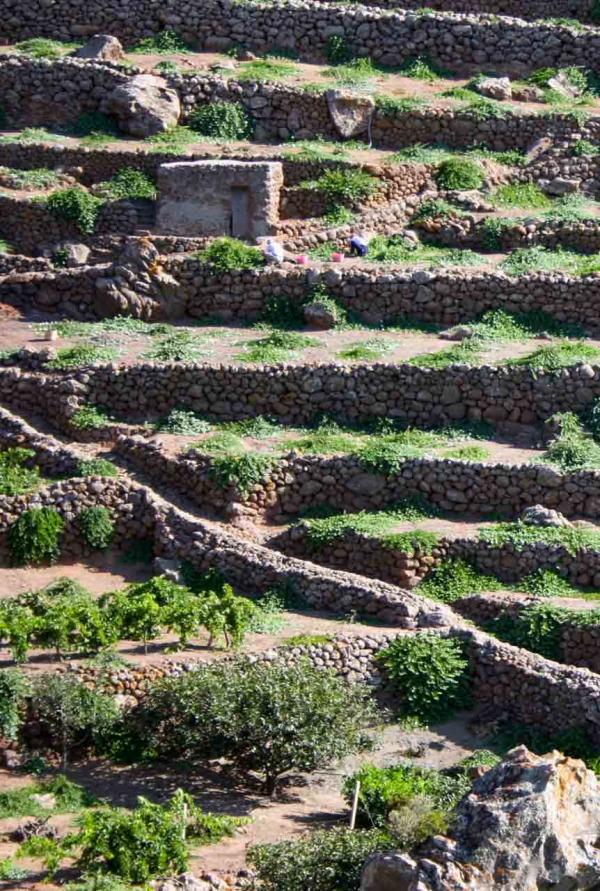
222 120
90 417
81 355
35 536
166 41
226 254
460 174
431 674
97 527
43 48
183 422
344 186
537 628
547 583
265 717
325 860
583 148
77 206
15 477
520 535
129 183
242 471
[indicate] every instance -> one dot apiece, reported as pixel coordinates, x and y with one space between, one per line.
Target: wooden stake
354 805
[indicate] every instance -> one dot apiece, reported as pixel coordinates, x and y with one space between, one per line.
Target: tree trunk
271 784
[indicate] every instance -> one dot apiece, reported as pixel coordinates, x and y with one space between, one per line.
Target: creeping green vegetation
356 73
77 206
430 673
307 640
90 417
345 186
177 346
583 148
167 41
31 135
172 141
337 51
97 526
548 583
527 196
540 259
265 70
396 249
468 352
36 178
420 68
149 841
226 254
467 453
317 149
380 524
459 173
81 355
540 628
68 797
34 537
454 579
574 448
16 477
43 48
559 355
222 120
97 467
128 183
183 422
367 350
278 346
298 865
521 535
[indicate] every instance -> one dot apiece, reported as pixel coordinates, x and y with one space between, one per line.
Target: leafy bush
265 717
383 789
34 537
15 477
222 120
431 674
90 417
559 355
226 254
344 186
97 526
242 471
574 448
547 583
528 196
459 173
80 355
183 422
77 206
519 535
13 689
278 346
128 183
166 41
537 628
325 860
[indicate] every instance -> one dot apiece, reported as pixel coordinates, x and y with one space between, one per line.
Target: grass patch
468 352
467 453
367 350
521 535
31 135
69 798
276 347
265 70
452 580
16 478
558 355
178 346
421 68
527 196
325 531
43 48
37 178
395 249
307 640
183 422
166 42
356 73
97 467
172 141
541 259
91 417
574 448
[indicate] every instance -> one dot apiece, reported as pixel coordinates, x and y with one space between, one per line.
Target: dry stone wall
389 36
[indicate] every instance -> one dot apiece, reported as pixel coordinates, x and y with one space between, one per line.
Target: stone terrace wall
295 394
535 9
453 40
375 294
50 455
42 91
294 483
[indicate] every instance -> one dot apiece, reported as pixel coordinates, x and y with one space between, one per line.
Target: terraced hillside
268 529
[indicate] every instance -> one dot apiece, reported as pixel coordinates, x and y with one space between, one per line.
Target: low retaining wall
294 484
453 40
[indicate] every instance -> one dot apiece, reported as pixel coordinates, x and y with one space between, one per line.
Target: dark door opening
240 212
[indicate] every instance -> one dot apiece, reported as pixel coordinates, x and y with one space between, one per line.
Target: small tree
266 717
134 614
35 536
70 714
225 613
13 689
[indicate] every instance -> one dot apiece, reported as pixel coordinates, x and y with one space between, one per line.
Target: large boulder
494 87
538 515
351 114
103 47
530 822
144 105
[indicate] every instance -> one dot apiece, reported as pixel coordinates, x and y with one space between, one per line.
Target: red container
336 257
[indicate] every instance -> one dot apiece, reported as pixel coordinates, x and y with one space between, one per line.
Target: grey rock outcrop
538 515
494 87
530 822
350 113
102 47
318 315
144 105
